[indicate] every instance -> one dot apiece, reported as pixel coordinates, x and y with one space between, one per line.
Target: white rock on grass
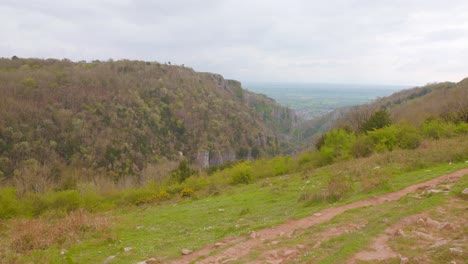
127 249
109 259
186 251
458 251
148 261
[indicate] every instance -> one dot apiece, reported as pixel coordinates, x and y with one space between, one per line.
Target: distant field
313 100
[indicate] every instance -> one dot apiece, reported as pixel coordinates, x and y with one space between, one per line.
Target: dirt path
231 249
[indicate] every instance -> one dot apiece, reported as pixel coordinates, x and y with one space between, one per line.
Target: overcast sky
352 41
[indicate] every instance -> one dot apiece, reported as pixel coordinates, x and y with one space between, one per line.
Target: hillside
85 174
446 100
118 117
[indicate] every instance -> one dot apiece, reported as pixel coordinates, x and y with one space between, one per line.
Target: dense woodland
118 118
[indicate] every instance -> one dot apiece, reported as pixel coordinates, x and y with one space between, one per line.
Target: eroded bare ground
269 240
422 237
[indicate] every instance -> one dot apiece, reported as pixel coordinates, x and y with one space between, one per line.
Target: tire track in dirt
231 249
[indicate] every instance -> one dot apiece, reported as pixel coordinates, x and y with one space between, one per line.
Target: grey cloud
296 40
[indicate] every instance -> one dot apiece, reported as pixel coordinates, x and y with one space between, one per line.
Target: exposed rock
432 223
447 226
108 259
457 251
404 260
253 234
139 227
465 191
289 252
421 222
217 158
127 249
317 214
219 244
434 191
439 243
186 251
203 159
423 235
63 252
273 254
446 187
299 246
149 261
400 232
276 261
274 243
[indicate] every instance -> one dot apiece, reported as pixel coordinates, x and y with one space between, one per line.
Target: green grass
190 223
162 229
379 217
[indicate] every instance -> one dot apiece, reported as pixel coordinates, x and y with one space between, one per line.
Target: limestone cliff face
202 159
205 159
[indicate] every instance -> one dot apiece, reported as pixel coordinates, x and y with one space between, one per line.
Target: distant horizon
304 85
247 82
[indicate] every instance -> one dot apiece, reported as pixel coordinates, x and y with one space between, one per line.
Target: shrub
325 156
92 201
196 182
186 192
163 195
183 171
408 137
384 138
435 129
68 200
241 173
9 206
135 196
362 147
379 119
375 181
36 234
337 144
304 158
262 169
337 187
281 165
461 128
35 203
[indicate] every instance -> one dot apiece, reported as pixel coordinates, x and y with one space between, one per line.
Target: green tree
379 119
183 171
336 145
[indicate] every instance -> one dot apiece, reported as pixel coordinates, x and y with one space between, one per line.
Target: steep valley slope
117 117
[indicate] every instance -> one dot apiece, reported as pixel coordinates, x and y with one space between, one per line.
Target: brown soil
232 249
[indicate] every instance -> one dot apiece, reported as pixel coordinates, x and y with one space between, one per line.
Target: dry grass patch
37 234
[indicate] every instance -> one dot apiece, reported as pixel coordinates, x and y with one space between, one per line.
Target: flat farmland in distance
314 100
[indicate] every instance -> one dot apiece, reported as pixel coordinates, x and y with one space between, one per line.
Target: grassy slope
168 228
375 220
